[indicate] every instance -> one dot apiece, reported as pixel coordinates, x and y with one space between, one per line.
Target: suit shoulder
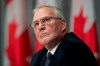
75 48
74 42
72 37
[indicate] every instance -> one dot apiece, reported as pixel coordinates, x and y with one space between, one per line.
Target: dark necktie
48 59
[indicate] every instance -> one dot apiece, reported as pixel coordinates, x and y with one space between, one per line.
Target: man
65 49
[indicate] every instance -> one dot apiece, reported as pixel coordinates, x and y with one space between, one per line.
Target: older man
60 47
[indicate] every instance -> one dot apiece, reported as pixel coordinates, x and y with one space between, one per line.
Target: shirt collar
54 49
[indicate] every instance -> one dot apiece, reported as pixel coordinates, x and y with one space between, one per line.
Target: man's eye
46 19
36 23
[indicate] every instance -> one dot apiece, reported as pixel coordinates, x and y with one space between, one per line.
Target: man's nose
41 26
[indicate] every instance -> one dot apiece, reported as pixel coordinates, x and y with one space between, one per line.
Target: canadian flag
17 50
83 23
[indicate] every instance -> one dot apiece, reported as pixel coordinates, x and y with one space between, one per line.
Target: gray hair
57 11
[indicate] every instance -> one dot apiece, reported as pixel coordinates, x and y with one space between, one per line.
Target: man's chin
45 42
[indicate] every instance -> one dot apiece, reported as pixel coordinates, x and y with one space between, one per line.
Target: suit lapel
39 58
43 61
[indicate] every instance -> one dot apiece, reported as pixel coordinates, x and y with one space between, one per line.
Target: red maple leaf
19 49
79 25
12 40
88 37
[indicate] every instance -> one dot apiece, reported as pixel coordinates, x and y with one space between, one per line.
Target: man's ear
63 23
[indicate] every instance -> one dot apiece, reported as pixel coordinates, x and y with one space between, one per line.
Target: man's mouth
43 35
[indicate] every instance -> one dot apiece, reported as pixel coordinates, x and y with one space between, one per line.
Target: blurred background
17 40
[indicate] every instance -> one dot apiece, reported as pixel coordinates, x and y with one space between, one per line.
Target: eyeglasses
45 20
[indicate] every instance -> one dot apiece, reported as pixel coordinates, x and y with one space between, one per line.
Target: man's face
47 32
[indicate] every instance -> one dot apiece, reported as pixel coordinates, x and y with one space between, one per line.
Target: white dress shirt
54 49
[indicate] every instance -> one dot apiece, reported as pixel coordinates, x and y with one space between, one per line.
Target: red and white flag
17 46
83 23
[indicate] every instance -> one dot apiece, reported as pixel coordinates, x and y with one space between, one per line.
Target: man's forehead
43 12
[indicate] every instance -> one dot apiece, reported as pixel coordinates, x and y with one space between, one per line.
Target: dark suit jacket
70 52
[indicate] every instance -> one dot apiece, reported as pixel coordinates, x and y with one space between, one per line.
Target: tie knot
49 55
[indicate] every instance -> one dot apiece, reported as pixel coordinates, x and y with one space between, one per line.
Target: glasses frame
44 20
